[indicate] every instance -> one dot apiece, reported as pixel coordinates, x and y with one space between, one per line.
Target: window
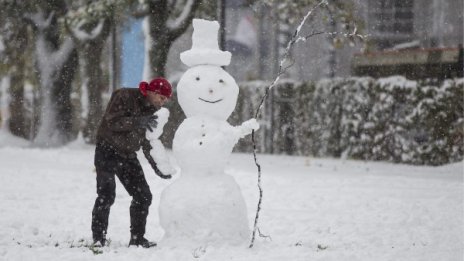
391 17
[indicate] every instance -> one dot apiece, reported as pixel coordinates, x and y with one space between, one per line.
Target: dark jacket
119 127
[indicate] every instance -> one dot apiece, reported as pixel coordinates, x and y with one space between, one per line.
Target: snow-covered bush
440 113
302 118
390 119
285 120
248 101
356 129
324 118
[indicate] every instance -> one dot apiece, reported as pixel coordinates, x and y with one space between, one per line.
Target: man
121 133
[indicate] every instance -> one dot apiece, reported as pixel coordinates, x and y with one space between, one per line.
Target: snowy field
313 209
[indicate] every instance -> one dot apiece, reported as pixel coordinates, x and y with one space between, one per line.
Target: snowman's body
202 145
205 205
211 208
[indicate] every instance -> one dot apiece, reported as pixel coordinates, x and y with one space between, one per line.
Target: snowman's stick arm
282 70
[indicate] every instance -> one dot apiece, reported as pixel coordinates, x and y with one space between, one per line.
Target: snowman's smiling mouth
210 101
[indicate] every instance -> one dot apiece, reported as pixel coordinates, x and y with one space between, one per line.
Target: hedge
389 119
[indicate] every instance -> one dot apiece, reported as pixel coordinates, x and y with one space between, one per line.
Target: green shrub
390 119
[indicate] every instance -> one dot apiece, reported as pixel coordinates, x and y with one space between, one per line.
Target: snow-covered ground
313 209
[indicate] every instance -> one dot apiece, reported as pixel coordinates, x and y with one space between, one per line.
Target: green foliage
389 119
440 112
356 130
14 35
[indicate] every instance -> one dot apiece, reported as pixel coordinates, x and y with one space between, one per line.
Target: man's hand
149 122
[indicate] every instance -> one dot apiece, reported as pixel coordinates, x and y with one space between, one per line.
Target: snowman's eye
221 81
198 78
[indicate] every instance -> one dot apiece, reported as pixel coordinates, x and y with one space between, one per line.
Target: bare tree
15 38
90 25
164 22
57 62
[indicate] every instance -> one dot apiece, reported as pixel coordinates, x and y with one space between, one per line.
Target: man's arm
146 148
118 113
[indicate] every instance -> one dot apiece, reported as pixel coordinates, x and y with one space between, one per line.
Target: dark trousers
109 164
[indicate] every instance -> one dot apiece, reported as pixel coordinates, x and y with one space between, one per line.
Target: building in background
432 29
416 39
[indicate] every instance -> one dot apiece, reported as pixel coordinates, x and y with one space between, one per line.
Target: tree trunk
17 123
94 81
57 63
159 56
159 47
61 96
160 37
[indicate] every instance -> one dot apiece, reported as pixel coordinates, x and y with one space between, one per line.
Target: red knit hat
158 85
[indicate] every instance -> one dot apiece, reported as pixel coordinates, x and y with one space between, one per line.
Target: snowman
205 206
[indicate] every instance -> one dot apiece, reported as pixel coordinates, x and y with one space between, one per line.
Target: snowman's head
207 90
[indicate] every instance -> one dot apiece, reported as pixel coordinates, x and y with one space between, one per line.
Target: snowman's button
203 135
201 143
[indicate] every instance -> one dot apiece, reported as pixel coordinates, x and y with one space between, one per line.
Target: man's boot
141 241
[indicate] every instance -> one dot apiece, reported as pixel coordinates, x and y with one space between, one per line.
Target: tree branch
281 71
352 35
82 35
184 20
38 21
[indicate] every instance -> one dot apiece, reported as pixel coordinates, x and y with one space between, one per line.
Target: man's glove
148 122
